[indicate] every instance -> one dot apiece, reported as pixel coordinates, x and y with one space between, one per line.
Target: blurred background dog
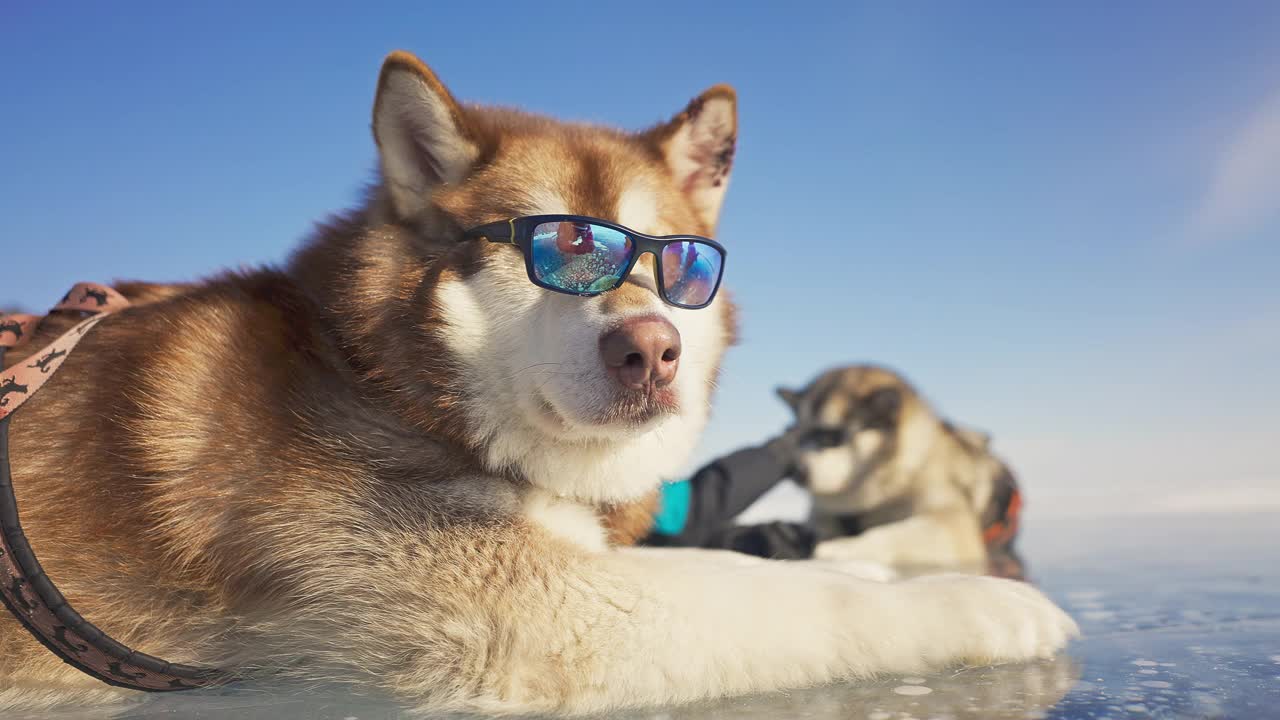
896 484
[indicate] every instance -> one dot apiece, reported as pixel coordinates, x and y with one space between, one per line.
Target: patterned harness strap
26 591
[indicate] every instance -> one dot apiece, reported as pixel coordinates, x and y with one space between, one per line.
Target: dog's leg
939 538
856 568
580 632
691 554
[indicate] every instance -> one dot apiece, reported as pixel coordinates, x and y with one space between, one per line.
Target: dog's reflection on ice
976 693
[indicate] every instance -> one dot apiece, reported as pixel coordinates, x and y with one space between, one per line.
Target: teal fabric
673 508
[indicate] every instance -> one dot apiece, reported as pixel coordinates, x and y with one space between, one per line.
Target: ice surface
1181 616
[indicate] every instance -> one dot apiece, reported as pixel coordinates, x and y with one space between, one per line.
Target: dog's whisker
527 368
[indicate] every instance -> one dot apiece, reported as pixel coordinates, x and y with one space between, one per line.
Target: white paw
985 620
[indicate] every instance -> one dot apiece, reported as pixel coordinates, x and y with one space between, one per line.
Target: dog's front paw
985 620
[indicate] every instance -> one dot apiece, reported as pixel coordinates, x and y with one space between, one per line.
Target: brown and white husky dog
388 463
895 484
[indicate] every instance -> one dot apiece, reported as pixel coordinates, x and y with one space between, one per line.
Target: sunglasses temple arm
502 231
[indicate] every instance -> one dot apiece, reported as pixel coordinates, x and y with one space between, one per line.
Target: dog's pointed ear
698 146
789 396
422 137
885 402
974 438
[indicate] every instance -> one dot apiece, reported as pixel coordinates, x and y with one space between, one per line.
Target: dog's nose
643 351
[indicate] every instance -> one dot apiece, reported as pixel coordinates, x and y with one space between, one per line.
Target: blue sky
1063 222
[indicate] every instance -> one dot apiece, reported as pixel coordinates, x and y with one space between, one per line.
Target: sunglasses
587 256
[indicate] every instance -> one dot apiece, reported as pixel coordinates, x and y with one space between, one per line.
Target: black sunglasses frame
519 232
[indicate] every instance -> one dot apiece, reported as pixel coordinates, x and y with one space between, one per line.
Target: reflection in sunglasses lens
579 257
690 272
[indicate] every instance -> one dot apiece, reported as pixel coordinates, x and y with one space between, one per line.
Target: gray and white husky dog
894 483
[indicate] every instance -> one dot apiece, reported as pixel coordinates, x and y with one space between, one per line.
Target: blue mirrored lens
691 272
579 257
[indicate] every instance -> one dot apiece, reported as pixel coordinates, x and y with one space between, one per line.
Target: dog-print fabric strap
21 382
27 592
16 329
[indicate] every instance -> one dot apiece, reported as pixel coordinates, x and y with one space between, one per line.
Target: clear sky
1061 220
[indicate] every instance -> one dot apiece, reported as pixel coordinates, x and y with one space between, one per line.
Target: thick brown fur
396 462
249 446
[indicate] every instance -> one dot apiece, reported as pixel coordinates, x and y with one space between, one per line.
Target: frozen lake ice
1181 617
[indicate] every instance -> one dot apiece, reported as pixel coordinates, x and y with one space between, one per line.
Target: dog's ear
422 138
885 402
974 438
698 146
789 396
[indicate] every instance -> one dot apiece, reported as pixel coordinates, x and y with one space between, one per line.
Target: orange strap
1002 531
